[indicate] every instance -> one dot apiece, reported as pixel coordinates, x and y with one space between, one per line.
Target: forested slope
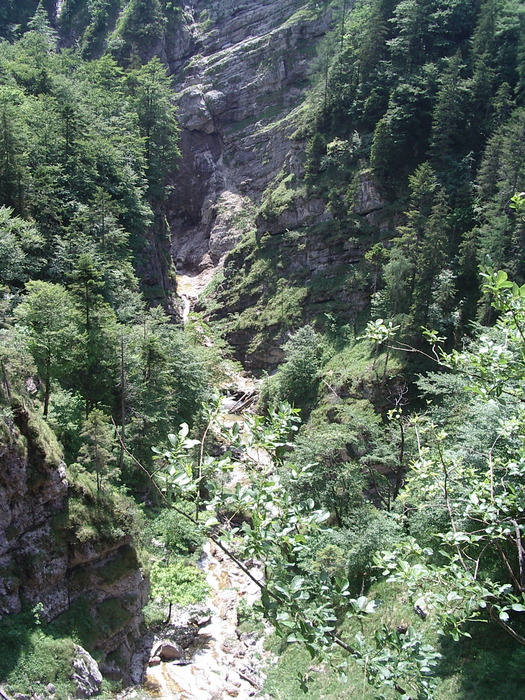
412 152
352 176
86 345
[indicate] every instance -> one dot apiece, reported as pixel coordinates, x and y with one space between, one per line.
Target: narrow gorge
261 349
240 86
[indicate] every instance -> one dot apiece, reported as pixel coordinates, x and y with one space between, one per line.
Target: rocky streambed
215 659
201 653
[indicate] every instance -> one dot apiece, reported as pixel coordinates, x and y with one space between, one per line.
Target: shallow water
220 661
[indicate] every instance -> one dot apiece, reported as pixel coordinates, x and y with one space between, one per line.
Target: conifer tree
48 317
97 453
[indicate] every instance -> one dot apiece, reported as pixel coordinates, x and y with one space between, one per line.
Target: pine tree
97 453
449 125
97 353
419 255
150 91
11 149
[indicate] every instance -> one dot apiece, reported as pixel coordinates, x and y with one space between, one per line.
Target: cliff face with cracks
241 71
44 561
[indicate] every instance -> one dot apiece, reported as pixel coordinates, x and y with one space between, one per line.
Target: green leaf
297 583
295 637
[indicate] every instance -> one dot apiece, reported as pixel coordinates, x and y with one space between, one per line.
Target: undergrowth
486 666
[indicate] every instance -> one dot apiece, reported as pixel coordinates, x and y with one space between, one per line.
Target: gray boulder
86 673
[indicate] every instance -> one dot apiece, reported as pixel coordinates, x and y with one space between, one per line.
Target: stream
220 662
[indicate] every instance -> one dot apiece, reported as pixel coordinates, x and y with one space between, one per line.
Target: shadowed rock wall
41 558
241 71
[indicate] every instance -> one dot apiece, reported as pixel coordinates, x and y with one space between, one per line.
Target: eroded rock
245 71
86 673
167 650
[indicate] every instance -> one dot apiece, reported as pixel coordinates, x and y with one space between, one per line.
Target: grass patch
294 677
103 516
356 365
488 666
32 656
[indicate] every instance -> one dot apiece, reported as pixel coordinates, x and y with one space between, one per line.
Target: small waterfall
186 308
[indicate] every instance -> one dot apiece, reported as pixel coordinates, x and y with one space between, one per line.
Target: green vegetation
388 270
86 152
97 511
89 373
31 658
411 133
420 104
447 546
177 583
171 542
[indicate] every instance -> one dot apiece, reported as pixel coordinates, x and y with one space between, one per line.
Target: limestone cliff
241 72
45 560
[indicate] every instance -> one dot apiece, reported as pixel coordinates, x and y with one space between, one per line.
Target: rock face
32 489
42 561
86 673
241 72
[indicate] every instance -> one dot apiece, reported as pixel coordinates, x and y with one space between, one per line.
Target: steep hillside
239 89
82 191
333 175
63 557
305 139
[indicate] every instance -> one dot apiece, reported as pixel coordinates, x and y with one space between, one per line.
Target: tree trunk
47 386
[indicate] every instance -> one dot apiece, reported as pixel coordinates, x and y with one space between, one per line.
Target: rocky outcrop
42 561
33 489
300 211
371 204
106 578
315 263
86 673
167 650
241 71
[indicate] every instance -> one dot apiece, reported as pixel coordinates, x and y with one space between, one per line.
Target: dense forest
383 465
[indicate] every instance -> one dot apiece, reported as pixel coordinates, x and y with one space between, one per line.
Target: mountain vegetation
396 108
86 149
388 507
